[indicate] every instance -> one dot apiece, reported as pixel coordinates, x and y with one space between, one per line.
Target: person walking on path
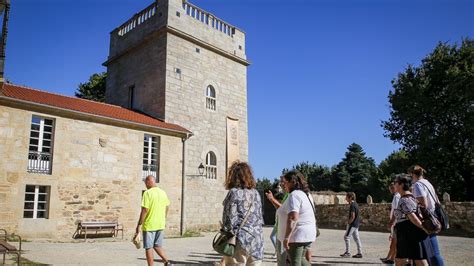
279 250
152 220
424 192
242 215
352 228
297 224
411 235
390 258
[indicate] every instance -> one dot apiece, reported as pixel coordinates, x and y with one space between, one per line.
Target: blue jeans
435 259
152 239
273 237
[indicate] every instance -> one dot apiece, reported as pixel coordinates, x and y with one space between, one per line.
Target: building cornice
188 37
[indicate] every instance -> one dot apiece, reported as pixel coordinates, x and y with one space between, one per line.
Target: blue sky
320 73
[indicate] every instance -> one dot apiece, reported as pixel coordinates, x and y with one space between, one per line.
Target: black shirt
354 208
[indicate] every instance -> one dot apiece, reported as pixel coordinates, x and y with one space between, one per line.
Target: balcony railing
211 103
138 19
208 19
150 169
39 162
211 172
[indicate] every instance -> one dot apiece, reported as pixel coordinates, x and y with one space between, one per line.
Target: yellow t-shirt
155 200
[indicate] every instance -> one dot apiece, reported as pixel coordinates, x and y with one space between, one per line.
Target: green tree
94 89
396 163
264 184
318 176
432 116
355 171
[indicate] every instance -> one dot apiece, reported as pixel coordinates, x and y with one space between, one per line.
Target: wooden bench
98 227
6 248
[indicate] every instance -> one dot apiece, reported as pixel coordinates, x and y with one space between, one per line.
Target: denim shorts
153 239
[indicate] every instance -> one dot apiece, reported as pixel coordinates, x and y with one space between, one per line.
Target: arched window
210 98
211 165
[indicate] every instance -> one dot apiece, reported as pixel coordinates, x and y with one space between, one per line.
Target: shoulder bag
440 213
224 241
427 217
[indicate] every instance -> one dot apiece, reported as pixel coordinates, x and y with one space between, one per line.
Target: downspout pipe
182 228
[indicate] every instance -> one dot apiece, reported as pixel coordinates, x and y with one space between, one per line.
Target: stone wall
375 217
328 197
88 181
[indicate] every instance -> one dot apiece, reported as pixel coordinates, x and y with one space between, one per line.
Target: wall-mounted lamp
201 169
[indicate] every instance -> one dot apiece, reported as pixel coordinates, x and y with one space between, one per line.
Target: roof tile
84 106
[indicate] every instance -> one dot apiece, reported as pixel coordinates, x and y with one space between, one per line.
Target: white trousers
354 232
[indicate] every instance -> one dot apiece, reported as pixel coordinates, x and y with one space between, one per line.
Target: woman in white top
297 226
424 192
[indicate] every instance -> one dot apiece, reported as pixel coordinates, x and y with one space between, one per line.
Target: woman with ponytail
424 192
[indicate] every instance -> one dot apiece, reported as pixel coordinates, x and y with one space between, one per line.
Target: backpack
440 213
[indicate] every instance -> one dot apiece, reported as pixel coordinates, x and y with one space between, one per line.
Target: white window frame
39 161
149 168
211 169
210 98
36 202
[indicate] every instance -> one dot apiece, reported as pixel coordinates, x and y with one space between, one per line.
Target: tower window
210 98
211 166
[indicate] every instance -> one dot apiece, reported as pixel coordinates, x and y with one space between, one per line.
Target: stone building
176 100
66 160
179 63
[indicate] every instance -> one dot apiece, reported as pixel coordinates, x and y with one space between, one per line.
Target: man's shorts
153 239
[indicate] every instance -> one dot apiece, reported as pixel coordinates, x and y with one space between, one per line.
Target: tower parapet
182 18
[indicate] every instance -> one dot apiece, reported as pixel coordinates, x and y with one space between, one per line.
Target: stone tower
179 63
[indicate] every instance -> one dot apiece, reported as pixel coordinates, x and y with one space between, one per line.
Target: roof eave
114 121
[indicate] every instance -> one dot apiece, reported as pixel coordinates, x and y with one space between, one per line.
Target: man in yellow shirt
152 220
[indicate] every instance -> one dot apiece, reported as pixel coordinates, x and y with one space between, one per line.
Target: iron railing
211 172
211 103
40 162
150 169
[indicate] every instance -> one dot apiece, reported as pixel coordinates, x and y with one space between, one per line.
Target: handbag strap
311 203
247 214
429 191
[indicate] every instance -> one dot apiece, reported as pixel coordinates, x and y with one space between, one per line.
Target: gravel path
198 250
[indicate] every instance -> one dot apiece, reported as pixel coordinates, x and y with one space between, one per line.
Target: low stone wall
375 217
328 197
